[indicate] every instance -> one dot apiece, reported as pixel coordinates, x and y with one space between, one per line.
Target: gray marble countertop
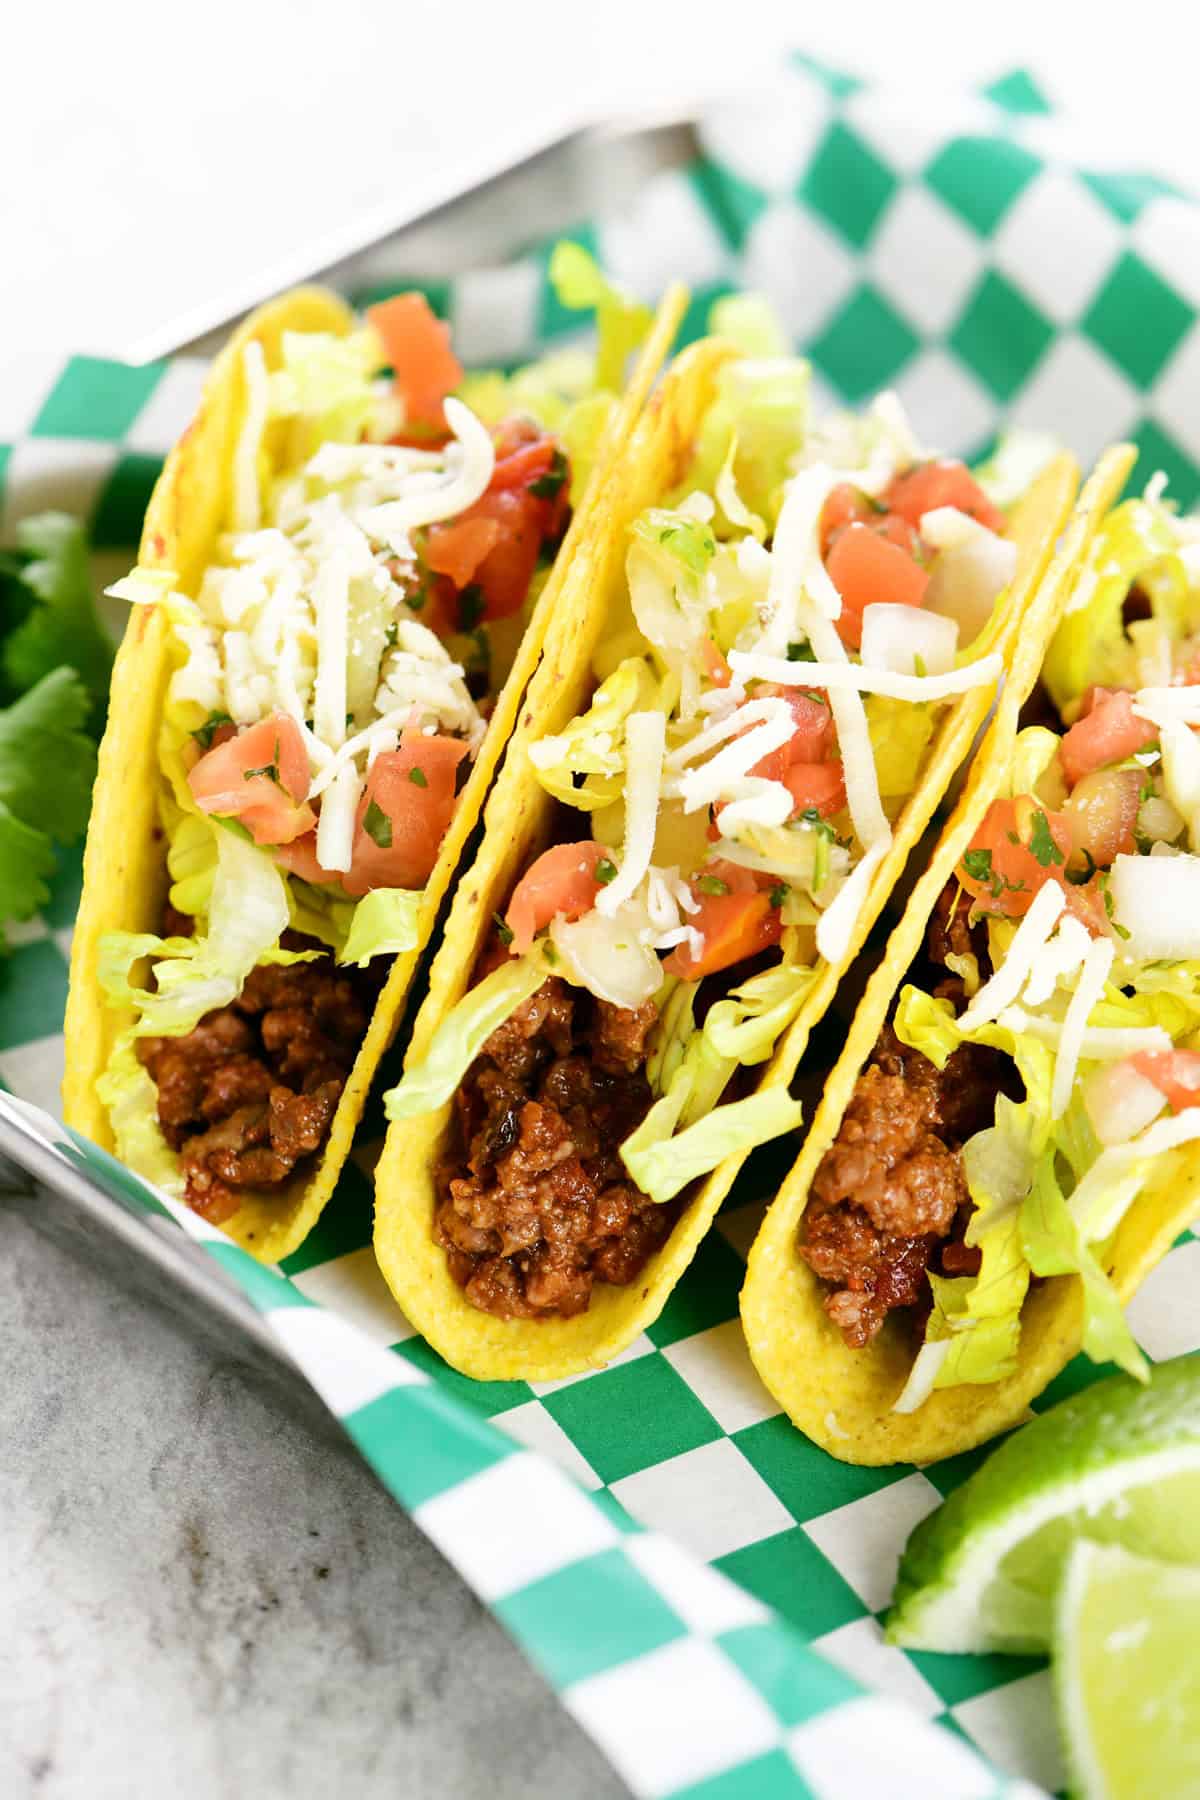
206 1598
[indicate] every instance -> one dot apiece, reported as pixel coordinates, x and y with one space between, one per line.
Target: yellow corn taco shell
517 822
125 874
842 1398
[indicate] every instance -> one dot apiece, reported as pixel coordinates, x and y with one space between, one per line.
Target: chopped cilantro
779 894
503 932
712 884
605 871
803 652
393 630
547 485
204 734
978 864
418 778
811 816
378 826
550 953
415 603
1042 843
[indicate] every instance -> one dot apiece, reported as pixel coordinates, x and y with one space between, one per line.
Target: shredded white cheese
848 677
835 927
709 783
1089 990
335 824
1008 980
1060 956
645 739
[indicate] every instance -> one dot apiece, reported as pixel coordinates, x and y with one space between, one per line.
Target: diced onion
1157 901
967 578
1181 770
1120 1102
902 637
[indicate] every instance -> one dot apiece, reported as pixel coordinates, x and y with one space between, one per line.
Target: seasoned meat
249 1094
620 1033
535 1205
541 1025
949 934
889 1197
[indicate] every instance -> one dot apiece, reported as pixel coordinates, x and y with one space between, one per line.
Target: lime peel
1117 1462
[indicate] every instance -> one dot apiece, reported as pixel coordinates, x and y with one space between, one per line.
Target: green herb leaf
204 734
44 730
803 652
378 826
712 884
503 932
811 816
779 894
547 485
49 613
605 871
1041 843
978 864
418 778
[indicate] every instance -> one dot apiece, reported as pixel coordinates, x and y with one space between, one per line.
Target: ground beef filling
248 1096
889 1200
535 1204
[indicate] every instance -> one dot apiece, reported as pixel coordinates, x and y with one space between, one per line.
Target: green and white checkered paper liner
700 1584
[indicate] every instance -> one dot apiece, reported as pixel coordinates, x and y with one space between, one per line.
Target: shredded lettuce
127 1089
621 321
1053 1244
751 322
762 402
324 386
592 746
247 915
1137 543
384 923
663 1161
461 1036
685 540
1033 752
745 1027
1015 464
900 733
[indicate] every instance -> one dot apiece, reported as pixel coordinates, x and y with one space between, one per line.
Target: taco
1006 1146
344 583
755 691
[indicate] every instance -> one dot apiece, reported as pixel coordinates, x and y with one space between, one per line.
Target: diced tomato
1108 733
937 484
715 666
417 344
561 884
813 740
737 879
458 547
300 858
1175 1073
844 505
1102 812
408 801
818 787
260 777
865 568
733 926
1085 902
524 463
1019 846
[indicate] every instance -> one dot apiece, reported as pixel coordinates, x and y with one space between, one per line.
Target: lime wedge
1126 1675
1118 1463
